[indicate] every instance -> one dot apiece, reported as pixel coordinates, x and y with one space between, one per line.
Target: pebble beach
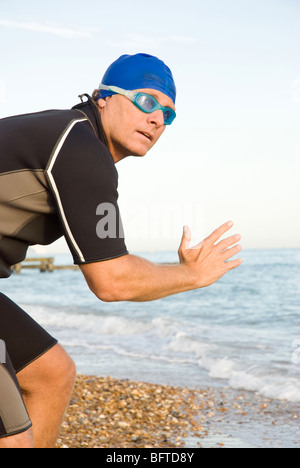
112 413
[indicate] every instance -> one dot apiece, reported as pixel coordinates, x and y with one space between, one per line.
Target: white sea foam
163 340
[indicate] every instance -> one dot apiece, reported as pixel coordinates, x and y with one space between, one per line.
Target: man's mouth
147 135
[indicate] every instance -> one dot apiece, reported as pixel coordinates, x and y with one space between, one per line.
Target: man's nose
157 118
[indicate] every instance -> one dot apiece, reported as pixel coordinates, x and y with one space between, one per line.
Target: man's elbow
108 295
106 281
109 292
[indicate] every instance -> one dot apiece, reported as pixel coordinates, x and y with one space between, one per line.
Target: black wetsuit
55 171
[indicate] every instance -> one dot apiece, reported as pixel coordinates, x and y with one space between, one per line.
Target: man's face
130 131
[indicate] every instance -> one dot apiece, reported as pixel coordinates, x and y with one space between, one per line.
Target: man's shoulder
39 129
30 139
59 116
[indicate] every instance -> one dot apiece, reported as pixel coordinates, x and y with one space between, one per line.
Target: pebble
113 413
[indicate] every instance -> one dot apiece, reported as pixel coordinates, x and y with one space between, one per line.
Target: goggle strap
129 94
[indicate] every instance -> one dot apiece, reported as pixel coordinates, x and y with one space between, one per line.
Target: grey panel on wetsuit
13 413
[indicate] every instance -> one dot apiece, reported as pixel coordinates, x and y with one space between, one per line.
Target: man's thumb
186 238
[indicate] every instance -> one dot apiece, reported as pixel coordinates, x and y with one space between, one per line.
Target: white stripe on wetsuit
55 190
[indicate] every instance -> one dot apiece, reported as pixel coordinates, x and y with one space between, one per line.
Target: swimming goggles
144 102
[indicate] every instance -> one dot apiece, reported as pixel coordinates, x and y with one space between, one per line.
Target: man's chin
139 153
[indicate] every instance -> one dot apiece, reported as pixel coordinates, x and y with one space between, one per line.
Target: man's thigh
24 338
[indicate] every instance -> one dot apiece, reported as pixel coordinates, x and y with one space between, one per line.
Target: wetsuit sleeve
83 179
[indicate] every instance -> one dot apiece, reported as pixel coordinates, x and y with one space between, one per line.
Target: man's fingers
215 235
224 244
234 264
231 252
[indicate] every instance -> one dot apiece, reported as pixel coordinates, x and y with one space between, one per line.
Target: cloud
67 33
296 91
130 40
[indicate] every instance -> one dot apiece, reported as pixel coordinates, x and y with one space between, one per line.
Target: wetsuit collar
92 113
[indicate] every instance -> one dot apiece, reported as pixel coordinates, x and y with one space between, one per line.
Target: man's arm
131 278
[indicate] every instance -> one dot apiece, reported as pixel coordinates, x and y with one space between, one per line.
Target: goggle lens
169 116
148 104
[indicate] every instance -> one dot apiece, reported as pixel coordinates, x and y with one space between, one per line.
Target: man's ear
101 103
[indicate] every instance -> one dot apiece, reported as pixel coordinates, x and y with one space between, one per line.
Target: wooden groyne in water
43 264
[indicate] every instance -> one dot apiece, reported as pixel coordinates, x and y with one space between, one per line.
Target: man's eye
146 102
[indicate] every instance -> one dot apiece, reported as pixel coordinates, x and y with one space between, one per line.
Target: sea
243 332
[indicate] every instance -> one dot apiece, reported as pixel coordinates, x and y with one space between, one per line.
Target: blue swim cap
137 72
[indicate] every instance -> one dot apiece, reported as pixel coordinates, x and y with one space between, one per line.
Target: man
56 169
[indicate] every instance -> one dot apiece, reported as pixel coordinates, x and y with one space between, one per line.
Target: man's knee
53 370
69 372
64 374
63 363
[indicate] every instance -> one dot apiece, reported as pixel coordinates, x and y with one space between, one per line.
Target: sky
233 152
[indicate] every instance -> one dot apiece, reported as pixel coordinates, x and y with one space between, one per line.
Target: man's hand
208 261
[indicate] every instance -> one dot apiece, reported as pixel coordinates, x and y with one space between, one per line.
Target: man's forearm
131 278
141 280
